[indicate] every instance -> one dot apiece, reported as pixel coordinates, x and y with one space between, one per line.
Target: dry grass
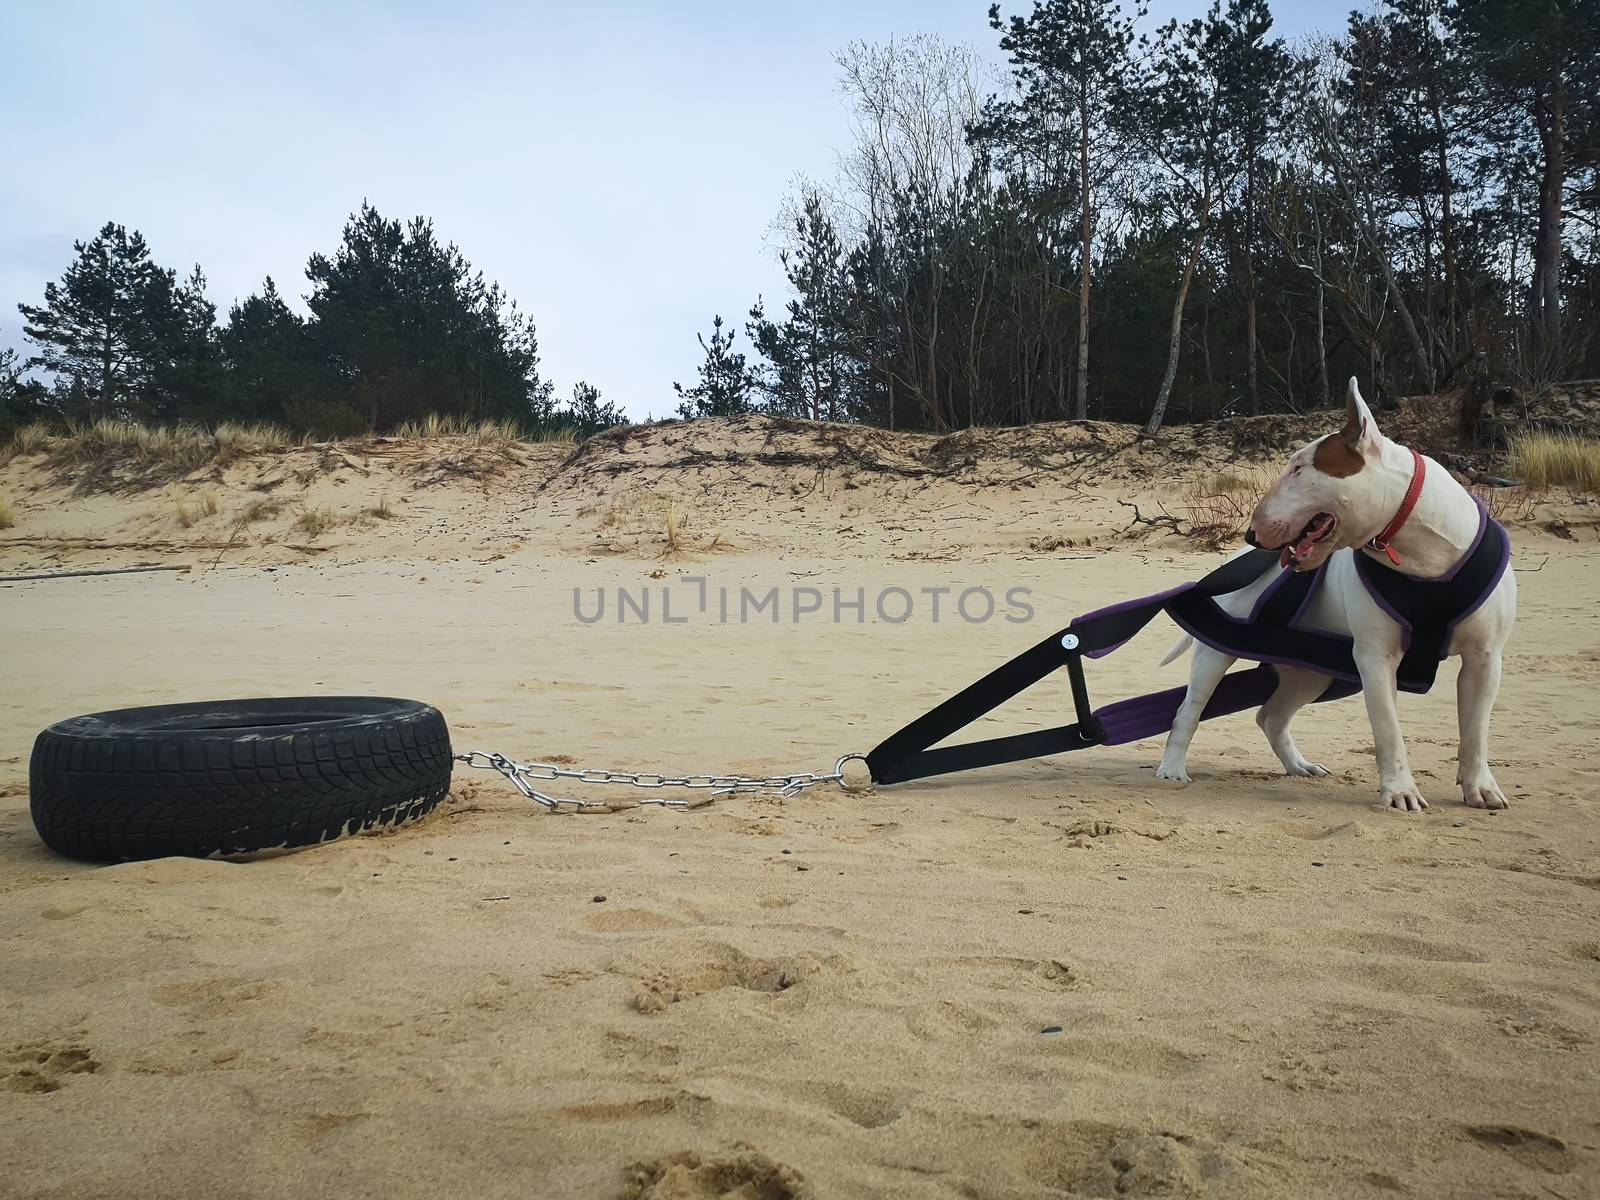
649 520
674 525
164 451
29 439
315 521
1511 505
173 447
632 512
189 509
233 440
476 433
260 510
487 434
1219 505
1049 543
383 509
181 447
8 513
1236 480
433 427
1545 460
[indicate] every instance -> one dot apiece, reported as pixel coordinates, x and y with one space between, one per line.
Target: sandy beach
1058 978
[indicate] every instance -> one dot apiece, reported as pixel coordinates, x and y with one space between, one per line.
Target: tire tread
107 798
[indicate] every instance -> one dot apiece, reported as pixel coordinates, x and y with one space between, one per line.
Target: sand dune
1049 979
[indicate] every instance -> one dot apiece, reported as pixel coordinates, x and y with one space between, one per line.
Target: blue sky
615 165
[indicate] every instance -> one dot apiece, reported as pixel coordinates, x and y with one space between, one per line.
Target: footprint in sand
1369 942
631 920
865 1108
625 1047
57 912
1089 1158
1151 1058
690 1176
716 968
605 1112
1542 1151
1005 973
41 1067
1301 1074
214 997
944 1019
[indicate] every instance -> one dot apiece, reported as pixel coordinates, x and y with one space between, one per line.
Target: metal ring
838 770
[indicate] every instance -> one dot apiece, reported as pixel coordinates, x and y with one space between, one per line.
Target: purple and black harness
1427 610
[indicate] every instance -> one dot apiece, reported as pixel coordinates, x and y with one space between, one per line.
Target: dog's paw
1483 792
1177 774
1305 769
1402 798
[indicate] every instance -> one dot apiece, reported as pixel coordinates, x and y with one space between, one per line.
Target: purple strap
1149 715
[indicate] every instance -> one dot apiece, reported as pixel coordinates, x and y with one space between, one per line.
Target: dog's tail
1179 650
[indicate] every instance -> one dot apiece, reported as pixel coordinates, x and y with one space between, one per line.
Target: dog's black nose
1250 538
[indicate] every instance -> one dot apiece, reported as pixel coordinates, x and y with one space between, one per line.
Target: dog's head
1326 499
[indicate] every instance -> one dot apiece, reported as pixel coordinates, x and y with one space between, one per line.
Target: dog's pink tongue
1314 533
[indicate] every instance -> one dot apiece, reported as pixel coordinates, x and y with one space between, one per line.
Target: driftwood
80 574
1165 521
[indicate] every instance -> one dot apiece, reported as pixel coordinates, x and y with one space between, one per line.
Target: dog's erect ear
1344 453
1360 431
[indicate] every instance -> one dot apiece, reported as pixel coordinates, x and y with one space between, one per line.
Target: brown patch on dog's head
1339 454
1337 457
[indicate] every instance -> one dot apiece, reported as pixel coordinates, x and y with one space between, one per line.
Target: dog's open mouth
1318 529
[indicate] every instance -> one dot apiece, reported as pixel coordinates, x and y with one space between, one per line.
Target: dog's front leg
1205 672
1396 787
1476 687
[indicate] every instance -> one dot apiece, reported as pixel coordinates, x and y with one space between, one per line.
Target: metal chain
522 776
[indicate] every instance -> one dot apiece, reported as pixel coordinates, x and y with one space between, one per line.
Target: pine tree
1535 63
187 377
1256 76
1407 70
410 328
21 399
587 415
808 353
1070 60
724 387
263 348
100 327
1179 112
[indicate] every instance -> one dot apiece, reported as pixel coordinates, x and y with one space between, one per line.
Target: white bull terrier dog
1346 494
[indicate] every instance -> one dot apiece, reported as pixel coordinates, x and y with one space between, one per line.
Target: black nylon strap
891 761
986 753
905 755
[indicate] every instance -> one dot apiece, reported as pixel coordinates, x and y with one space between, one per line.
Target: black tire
234 776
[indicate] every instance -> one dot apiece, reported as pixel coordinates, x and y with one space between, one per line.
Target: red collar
1419 471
